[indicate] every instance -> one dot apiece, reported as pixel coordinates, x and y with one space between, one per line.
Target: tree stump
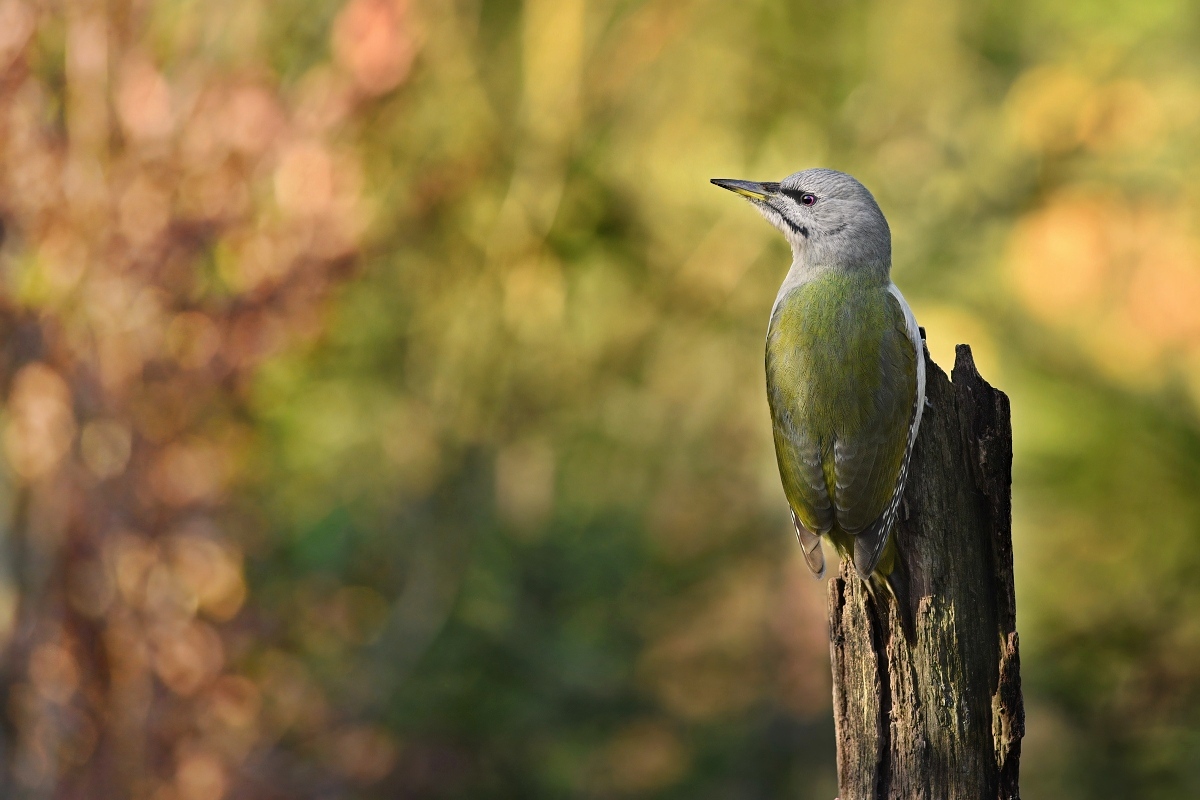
930 706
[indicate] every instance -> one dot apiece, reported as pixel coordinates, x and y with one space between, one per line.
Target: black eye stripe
799 196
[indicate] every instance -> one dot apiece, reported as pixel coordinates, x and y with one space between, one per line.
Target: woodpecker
845 369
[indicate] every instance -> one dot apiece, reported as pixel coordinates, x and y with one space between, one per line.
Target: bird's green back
841 381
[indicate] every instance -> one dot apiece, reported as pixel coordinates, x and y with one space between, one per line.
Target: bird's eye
803 198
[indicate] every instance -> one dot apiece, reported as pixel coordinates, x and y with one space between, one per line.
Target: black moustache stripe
800 229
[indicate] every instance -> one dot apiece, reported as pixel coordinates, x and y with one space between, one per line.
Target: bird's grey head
828 217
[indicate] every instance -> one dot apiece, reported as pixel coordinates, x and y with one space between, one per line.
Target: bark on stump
937 712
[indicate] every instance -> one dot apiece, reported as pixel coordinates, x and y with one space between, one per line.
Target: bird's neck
806 269
867 255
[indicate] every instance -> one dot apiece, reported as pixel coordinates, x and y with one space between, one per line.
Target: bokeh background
383 395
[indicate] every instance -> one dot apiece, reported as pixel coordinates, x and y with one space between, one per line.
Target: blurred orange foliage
168 244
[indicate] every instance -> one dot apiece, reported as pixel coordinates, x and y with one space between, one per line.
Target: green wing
842 384
869 458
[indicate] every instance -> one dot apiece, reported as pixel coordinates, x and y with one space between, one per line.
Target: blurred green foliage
537 422
560 302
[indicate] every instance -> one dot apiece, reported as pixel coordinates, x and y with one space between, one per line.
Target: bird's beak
755 191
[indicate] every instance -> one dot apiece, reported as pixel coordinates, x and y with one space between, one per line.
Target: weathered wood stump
932 708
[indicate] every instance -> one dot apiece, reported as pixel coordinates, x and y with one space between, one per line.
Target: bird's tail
890 580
